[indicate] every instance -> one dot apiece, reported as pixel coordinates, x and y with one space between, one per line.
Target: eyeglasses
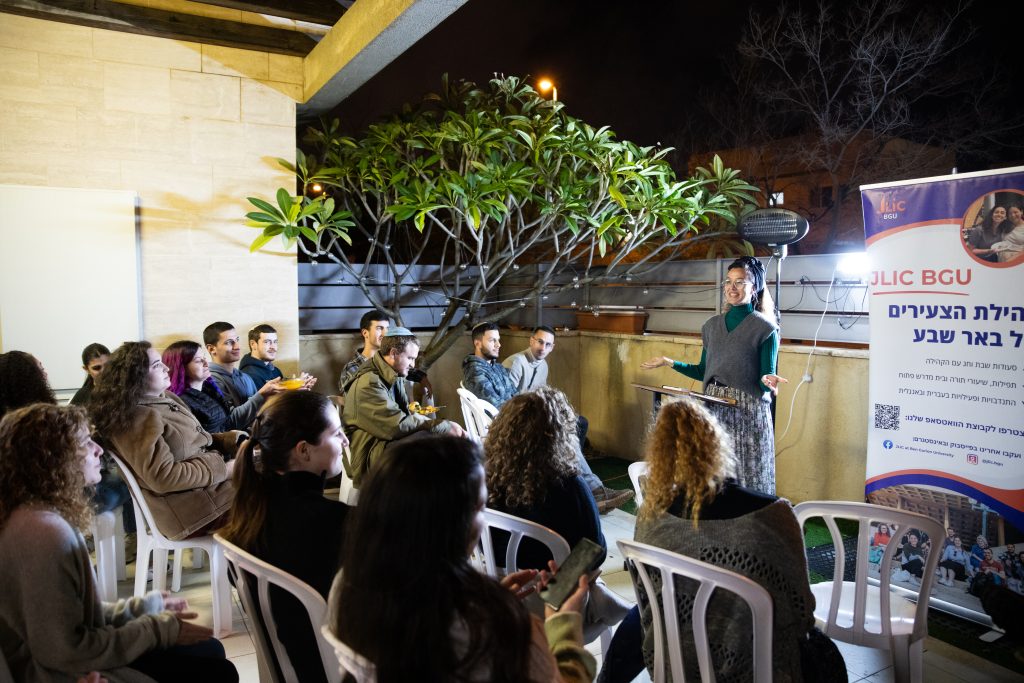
739 284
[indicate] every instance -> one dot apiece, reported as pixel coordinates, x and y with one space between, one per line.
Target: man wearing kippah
377 410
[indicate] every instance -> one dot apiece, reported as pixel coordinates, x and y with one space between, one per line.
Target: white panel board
69 274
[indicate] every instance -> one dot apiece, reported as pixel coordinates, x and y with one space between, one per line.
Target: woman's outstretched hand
657 362
772 382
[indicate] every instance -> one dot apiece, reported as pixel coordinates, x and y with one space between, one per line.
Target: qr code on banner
887 417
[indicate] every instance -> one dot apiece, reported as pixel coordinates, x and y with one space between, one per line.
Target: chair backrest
477 414
638 475
899 522
143 516
253 578
347 491
362 669
517 529
646 558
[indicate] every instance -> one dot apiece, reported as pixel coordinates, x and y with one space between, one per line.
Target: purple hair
176 357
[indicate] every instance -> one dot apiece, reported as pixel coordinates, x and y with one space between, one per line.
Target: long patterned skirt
749 422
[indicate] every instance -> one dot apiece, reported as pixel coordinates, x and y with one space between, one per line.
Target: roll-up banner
946 413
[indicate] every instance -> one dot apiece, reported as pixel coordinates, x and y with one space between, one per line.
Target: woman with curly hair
738 363
409 603
23 381
188 365
531 452
55 628
693 506
181 468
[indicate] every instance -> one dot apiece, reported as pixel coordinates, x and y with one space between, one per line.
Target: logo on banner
972 459
887 444
890 207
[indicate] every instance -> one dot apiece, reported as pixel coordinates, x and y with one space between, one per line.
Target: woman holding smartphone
419 517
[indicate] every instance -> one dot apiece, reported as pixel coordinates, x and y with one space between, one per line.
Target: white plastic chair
638 475
362 669
477 414
150 540
867 611
645 558
108 539
519 529
253 577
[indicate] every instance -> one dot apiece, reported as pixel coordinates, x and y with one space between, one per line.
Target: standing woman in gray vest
738 362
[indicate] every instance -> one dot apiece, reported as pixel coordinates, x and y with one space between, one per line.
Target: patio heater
775 228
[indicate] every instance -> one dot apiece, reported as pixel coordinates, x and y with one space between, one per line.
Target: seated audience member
372 326
23 381
1010 559
377 410
482 374
418 519
693 506
529 370
183 477
532 473
188 366
94 357
259 362
882 535
953 564
53 626
536 433
225 350
280 513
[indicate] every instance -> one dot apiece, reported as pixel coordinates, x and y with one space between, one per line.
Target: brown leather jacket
183 478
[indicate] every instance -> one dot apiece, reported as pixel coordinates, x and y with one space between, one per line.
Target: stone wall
192 129
821 457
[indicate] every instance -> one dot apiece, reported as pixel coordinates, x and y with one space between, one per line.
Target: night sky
638 67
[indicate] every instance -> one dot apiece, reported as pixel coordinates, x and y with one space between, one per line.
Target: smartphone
583 559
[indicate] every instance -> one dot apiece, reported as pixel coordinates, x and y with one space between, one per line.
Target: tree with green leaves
480 181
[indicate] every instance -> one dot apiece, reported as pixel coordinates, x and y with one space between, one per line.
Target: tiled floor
943 663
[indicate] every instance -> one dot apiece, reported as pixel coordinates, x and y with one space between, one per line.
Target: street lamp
545 84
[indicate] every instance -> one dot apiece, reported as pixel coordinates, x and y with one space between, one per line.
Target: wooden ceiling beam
162 24
326 12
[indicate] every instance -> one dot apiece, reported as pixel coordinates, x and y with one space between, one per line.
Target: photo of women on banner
993 228
946 387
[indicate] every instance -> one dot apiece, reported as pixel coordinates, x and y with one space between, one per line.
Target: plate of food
415 407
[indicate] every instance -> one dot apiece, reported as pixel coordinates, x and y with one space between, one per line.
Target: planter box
629 322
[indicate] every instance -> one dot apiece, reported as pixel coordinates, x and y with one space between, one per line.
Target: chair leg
221 589
119 563
197 559
142 565
159 569
106 570
906 659
179 556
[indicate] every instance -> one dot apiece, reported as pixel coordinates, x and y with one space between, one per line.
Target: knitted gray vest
734 358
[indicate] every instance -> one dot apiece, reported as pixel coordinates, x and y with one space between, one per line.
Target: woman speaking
738 362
